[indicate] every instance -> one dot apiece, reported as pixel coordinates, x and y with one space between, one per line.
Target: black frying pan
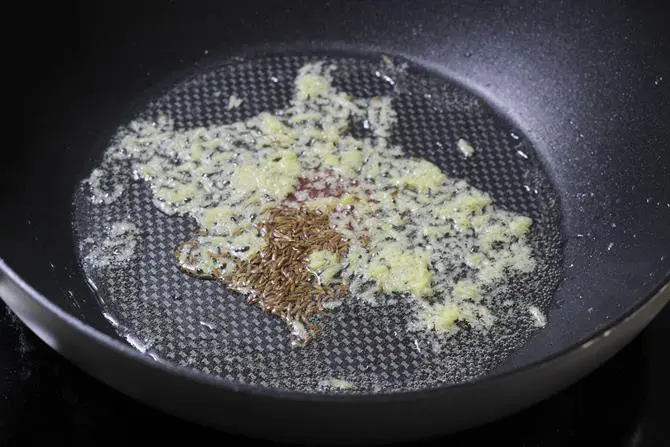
586 87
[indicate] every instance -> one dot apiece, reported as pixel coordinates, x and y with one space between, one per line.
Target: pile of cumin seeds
277 278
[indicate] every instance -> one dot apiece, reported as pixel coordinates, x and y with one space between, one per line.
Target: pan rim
662 291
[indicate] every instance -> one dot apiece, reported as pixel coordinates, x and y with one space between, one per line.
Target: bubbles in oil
368 348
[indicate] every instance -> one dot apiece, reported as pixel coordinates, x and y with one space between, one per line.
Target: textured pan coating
197 323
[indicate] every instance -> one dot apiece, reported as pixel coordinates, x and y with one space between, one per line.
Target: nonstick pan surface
557 84
199 324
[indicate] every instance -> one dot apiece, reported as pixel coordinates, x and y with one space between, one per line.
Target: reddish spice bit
309 185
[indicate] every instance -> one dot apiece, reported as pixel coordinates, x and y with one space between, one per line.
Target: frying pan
585 88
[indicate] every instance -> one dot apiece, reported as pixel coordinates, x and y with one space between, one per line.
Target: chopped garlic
234 102
520 225
410 229
539 320
335 383
466 148
442 317
325 265
398 271
420 175
467 289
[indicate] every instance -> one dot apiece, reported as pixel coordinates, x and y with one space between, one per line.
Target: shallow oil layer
364 348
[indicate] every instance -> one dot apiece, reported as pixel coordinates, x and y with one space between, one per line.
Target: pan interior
199 324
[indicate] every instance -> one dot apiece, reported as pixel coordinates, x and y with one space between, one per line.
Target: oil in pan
363 345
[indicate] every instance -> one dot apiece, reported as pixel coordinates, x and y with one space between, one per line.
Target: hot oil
371 345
